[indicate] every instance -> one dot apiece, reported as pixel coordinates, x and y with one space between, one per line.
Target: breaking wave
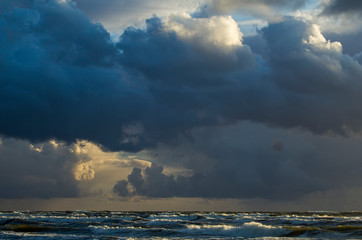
179 225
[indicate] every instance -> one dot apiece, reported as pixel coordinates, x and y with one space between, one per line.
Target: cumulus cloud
63 78
308 67
84 171
121 188
167 79
218 32
238 162
308 77
342 18
59 78
167 49
69 86
44 170
303 82
349 40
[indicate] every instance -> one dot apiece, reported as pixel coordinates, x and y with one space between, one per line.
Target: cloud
62 82
73 86
84 171
166 49
308 76
307 67
339 6
167 79
239 162
302 80
341 18
63 78
350 41
117 15
121 188
277 145
358 57
260 8
44 170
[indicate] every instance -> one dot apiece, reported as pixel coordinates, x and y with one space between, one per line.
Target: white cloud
318 40
217 31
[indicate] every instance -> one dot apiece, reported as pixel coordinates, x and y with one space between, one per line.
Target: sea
179 225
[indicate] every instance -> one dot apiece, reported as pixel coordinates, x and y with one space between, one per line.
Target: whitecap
250 229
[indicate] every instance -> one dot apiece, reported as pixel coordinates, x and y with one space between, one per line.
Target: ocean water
179 225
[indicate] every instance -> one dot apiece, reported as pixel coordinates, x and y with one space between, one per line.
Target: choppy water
179 225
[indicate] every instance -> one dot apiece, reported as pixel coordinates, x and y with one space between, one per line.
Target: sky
215 105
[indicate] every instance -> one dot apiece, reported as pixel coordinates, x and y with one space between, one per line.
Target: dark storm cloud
304 81
342 6
120 188
59 79
277 145
238 162
161 55
42 171
63 78
67 86
222 183
314 77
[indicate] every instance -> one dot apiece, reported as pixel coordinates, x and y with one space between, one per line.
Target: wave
38 236
341 231
247 230
179 225
25 228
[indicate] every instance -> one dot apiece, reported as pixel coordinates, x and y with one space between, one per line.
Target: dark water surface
179 225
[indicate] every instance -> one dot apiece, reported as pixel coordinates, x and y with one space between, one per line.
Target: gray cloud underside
342 6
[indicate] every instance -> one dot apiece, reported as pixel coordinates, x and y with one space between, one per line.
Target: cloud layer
63 78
